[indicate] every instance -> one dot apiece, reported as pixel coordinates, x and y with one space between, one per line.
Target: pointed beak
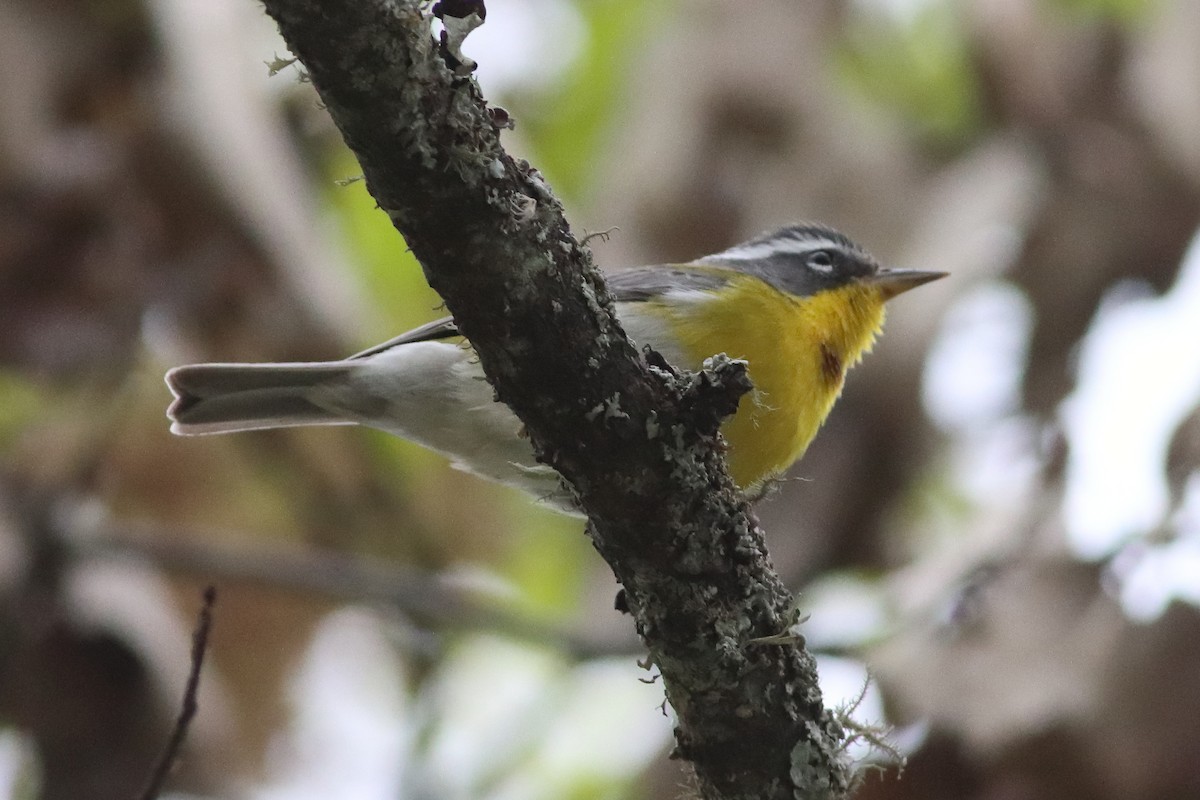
892 282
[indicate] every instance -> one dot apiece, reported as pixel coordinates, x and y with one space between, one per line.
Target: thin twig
171 752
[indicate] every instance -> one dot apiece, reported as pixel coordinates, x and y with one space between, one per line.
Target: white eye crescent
820 261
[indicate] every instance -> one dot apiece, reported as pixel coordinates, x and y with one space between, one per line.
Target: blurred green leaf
383 266
566 125
1121 11
548 560
918 68
21 401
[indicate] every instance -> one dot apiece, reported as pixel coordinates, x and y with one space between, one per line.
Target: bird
800 305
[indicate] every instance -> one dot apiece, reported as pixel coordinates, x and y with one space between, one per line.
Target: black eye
821 261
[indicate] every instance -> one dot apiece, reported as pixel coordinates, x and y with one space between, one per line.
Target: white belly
435 394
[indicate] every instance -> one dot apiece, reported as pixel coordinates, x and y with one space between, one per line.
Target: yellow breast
797 349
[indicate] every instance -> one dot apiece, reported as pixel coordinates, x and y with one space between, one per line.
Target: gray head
806 259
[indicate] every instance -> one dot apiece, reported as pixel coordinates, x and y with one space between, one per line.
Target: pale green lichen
652 426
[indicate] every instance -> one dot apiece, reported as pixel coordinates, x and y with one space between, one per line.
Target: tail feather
223 398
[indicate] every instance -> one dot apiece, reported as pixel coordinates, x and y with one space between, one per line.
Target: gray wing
648 283
631 285
443 328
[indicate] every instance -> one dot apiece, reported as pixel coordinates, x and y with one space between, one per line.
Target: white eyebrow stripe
774 247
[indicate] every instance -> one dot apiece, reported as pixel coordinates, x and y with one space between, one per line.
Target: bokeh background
1001 519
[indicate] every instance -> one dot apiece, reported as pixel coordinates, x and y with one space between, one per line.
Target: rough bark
636 440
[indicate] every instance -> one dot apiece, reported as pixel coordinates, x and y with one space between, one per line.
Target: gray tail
223 398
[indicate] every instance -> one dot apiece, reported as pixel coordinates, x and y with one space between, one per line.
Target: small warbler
800 305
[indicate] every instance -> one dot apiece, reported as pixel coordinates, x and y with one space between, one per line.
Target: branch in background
431 600
637 442
188 709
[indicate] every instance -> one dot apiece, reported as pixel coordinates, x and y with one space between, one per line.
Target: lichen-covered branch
635 440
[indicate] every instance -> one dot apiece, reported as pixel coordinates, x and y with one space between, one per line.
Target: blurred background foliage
1001 519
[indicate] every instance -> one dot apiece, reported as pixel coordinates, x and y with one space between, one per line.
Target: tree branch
637 441
431 600
189 706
